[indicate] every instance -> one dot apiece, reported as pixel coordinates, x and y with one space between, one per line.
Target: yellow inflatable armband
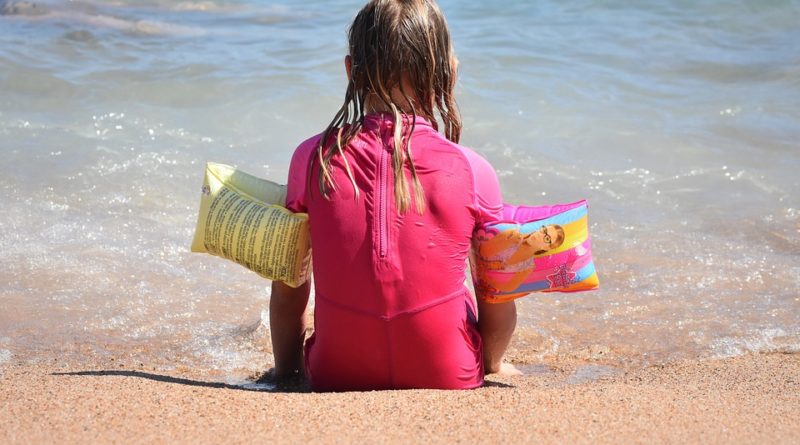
242 219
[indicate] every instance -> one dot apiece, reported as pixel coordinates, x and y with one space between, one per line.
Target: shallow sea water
677 121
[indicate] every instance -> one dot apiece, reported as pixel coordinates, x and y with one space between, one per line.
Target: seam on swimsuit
389 349
413 311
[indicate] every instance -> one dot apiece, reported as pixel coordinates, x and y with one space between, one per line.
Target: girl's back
391 306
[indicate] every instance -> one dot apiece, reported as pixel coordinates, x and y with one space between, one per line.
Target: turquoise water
678 121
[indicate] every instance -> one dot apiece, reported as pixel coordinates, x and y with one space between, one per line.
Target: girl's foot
508 369
504 369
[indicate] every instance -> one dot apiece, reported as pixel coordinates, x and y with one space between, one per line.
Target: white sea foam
590 373
766 340
5 356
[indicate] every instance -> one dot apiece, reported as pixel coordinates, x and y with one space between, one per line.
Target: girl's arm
287 308
496 323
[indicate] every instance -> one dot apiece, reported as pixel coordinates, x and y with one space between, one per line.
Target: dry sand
750 399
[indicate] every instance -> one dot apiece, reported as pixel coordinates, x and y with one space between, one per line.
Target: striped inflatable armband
533 249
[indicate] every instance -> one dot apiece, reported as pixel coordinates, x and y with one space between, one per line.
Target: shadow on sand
263 385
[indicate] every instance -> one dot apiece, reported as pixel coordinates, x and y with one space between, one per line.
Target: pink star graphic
561 278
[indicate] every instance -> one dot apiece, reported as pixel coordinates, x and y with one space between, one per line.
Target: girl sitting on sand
393 204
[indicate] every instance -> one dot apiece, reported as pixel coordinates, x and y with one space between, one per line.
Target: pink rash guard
392 310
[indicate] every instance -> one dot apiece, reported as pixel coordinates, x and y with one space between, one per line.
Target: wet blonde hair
395 44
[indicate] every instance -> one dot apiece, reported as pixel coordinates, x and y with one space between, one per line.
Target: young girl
393 201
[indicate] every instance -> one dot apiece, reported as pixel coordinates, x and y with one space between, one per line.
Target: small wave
765 340
203 6
22 8
81 36
5 356
39 12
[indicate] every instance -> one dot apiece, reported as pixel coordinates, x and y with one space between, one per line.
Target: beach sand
749 399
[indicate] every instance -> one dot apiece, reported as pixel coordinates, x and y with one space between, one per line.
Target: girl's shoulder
308 145
306 148
477 163
302 156
485 184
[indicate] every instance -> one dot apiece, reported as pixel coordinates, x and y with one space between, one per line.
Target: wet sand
750 399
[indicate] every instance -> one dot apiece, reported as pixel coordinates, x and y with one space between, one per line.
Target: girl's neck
373 104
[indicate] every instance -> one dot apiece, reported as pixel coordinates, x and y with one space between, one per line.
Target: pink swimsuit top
391 308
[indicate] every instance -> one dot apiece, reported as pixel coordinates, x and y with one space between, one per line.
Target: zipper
383 205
